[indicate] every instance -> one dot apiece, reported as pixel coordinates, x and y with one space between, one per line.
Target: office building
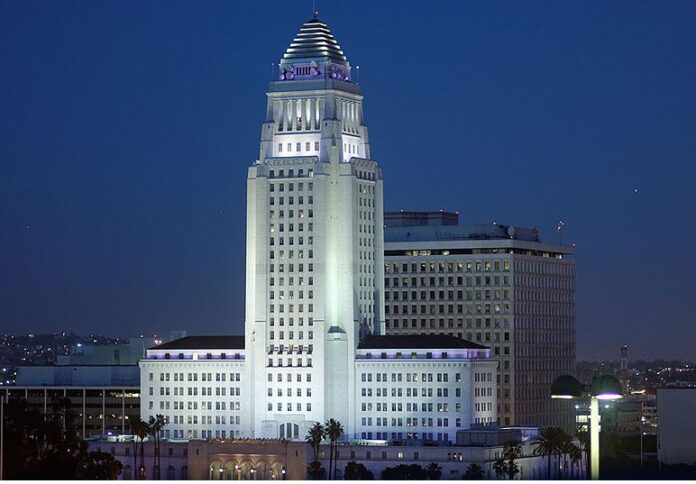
495 285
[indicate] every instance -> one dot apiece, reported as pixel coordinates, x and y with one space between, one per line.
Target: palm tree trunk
548 466
135 456
330 460
142 459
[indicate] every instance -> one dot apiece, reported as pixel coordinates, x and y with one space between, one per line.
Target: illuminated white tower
314 271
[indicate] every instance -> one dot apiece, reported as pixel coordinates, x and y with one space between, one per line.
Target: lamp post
283 472
239 474
605 387
642 421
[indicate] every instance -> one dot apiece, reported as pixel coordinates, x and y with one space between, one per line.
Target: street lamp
283 472
604 387
252 473
239 474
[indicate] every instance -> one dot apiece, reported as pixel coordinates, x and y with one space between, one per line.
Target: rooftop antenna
315 12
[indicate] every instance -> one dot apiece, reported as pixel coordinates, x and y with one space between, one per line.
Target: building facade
496 285
273 459
314 241
408 390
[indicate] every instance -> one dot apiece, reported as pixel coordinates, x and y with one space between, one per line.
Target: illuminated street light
604 387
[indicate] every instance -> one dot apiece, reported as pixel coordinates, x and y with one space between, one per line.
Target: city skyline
101 231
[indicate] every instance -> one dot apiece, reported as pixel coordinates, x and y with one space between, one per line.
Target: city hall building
316 345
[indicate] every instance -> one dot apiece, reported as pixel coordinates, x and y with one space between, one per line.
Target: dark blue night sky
126 129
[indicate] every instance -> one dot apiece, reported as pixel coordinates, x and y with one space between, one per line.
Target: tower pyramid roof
314 41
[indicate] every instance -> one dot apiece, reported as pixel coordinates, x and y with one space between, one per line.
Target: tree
48 446
334 431
584 440
547 443
133 423
404 472
314 438
512 450
473 473
141 431
575 455
433 471
101 466
155 426
499 467
316 471
357 472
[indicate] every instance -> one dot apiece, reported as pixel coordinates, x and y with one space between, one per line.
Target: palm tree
141 430
333 430
546 444
499 467
584 440
575 454
433 471
473 473
155 426
512 450
314 438
134 431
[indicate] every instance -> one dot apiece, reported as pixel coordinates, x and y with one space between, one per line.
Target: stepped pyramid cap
314 41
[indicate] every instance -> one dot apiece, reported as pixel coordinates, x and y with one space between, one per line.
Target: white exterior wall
422 399
200 398
314 256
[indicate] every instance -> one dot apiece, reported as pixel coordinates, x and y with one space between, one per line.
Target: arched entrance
216 471
232 471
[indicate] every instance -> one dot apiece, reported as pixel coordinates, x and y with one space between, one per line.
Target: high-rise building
496 285
314 346
314 239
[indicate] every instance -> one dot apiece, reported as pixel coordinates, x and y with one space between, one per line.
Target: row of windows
409 377
281 295
505 308
291 173
205 420
291 188
410 407
288 392
425 422
298 145
288 377
411 392
291 200
291 321
291 307
289 362
450 323
468 266
194 376
448 282
495 294
291 280
291 227
289 407
291 334
291 240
